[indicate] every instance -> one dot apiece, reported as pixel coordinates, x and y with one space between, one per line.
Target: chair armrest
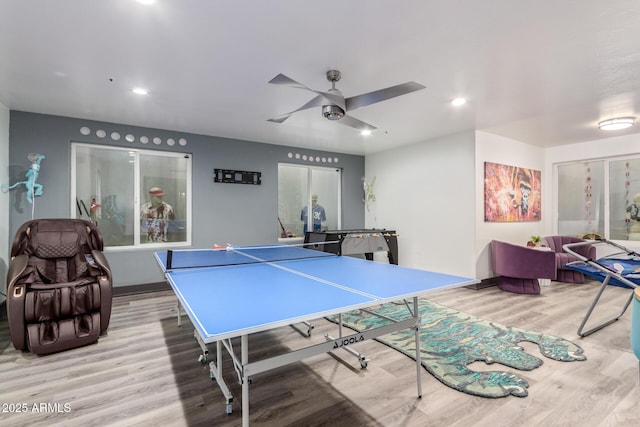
522 262
101 262
16 267
106 289
15 300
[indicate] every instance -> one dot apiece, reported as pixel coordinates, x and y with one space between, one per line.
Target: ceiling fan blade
279 119
281 79
315 102
334 98
381 95
355 123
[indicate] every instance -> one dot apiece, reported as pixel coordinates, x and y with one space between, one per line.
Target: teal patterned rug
451 340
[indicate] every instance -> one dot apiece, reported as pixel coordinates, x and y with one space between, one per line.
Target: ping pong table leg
364 361
244 354
306 333
416 314
179 310
215 373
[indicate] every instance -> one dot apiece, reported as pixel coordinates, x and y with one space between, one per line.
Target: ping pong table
238 291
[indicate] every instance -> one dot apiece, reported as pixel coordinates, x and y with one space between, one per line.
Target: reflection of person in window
94 211
633 218
317 213
155 215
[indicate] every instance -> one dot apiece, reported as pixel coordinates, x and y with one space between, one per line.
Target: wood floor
146 373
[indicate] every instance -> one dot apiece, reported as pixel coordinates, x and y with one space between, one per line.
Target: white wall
425 192
4 198
497 149
432 193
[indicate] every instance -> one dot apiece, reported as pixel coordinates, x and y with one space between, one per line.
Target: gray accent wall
221 213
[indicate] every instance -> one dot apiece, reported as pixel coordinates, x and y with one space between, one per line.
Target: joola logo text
348 341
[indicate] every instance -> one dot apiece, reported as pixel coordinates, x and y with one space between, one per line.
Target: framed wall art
511 193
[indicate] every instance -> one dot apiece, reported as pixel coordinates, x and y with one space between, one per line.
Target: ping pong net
238 255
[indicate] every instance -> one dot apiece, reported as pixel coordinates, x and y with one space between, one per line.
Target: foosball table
356 242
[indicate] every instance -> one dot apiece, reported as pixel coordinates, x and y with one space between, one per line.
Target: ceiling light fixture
332 112
617 123
365 132
458 102
140 91
147 2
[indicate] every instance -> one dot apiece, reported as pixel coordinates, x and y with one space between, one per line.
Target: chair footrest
54 336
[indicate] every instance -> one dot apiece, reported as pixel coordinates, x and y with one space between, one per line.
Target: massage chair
58 286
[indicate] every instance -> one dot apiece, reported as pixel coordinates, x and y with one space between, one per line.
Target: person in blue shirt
317 214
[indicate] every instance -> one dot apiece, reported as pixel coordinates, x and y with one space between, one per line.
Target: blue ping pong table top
226 301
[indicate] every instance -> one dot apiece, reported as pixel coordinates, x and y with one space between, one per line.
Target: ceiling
539 71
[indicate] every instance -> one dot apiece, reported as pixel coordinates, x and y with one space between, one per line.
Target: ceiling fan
335 106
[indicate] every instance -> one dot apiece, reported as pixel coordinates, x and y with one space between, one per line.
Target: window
302 186
624 196
136 197
601 197
581 200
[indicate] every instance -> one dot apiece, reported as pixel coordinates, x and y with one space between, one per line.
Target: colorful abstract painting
511 193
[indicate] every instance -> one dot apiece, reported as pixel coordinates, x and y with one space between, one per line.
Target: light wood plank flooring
145 372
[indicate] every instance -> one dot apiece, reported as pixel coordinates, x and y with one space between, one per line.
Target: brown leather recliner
59 286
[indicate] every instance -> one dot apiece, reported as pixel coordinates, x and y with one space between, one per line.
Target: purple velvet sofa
563 258
520 267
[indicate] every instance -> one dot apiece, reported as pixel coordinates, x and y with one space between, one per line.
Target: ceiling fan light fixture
332 112
335 105
617 123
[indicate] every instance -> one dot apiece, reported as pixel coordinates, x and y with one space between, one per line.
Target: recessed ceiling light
365 132
617 123
146 1
140 91
458 102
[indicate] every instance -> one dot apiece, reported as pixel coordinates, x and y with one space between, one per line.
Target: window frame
138 243
309 170
606 184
